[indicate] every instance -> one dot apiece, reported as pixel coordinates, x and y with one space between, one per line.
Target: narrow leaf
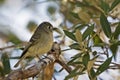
78 36
116 2
73 73
87 32
74 58
114 49
70 35
104 66
117 32
86 58
105 25
6 63
79 27
75 15
75 46
105 6
92 75
96 39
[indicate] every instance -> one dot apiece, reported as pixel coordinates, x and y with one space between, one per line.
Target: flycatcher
40 42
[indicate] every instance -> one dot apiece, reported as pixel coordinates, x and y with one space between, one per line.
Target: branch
34 70
14 46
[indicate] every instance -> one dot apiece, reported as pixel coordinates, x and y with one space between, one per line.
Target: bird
40 43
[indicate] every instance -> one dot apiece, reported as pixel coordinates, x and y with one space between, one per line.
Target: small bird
41 42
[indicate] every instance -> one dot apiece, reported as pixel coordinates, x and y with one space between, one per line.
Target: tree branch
35 69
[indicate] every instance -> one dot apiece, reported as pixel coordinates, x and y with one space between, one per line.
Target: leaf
114 48
80 4
73 73
92 75
75 15
116 2
6 63
91 63
87 32
75 63
75 58
75 46
104 66
78 36
84 16
70 35
79 27
105 6
85 59
58 31
105 25
117 32
96 38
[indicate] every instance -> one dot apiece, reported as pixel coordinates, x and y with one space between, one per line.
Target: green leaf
73 73
114 4
92 75
85 59
75 58
6 63
105 6
104 66
100 44
96 39
75 63
87 32
80 4
70 35
117 32
105 25
79 27
75 46
58 31
114 48
75 15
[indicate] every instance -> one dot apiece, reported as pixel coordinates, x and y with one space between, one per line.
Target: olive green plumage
40 42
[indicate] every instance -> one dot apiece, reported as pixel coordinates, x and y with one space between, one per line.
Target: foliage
90 29
94 14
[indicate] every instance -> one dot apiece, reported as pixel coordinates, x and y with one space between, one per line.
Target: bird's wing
36 35
26 49
32 41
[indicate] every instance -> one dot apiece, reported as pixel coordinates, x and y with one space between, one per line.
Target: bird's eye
49 27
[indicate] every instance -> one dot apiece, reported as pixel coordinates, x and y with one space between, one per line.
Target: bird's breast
42 45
